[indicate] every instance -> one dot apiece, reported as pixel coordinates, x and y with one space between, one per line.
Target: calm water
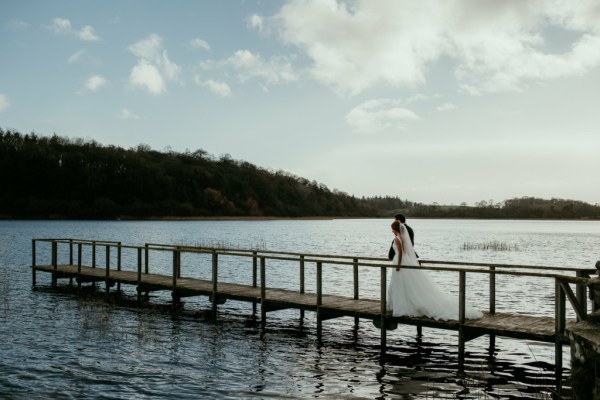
56 345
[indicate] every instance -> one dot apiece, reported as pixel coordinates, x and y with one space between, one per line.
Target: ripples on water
57 345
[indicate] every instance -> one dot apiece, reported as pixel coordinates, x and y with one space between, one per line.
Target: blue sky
433 101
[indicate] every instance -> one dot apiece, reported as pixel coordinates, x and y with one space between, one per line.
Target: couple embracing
412 292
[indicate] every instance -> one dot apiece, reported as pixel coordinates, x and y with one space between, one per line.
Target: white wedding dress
413 293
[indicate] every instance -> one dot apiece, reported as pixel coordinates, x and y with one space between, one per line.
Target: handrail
255 252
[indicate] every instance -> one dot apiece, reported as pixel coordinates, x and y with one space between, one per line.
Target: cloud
4 103
147 76
446 107
198 43
63 26
127 114
255 22
249 65
75 57
220 88
95 82
496 46
16 24
87 33
380 115
154 66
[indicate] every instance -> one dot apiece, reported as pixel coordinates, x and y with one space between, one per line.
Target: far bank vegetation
57 177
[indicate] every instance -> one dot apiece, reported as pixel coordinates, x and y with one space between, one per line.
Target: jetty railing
563 291
113 252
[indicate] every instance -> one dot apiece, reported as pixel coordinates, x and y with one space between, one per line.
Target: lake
57 345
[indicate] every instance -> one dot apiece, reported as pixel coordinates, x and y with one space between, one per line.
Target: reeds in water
493 245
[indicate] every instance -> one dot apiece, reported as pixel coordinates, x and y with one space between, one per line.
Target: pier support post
33 262
492 290
54 262
119 265
462 283
263 293
383 309
319 299
107 275
139 275
254 278
176 274
356 291
215 278
302 284
79 268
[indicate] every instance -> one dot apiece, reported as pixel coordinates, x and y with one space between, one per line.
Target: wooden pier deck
502 324
540 328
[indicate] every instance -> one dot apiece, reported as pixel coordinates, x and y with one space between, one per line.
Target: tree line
58 177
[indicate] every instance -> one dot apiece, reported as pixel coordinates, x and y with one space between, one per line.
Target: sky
448 102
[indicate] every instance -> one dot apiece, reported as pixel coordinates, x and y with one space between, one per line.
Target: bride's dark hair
396 226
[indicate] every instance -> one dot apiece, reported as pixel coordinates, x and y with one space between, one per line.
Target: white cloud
87 33
154 65
63 26
220 88
496 45
148 77
446 107
95 82
16 24
4 103
75 57
249 65
380 115
198 43
127 114
255 22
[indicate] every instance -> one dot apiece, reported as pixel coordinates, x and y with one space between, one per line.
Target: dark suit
411 234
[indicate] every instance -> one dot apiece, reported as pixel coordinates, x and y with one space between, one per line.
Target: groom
402 219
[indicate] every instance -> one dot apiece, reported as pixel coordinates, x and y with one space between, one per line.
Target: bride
412 292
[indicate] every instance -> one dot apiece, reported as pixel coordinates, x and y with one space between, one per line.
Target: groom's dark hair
400 217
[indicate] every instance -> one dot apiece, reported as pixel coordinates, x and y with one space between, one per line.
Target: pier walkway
82 265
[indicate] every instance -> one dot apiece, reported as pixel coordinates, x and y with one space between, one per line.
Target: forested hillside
56 177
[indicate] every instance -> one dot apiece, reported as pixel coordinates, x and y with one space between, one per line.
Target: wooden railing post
70 251
179 261
355 273
492 290
254 268
139 274
559 310
462 283
263 292
33 263
119 257
107 269
94 254
175 268
79 250
146 258
215 277
301 274
54 262
319 285
581 293
383 309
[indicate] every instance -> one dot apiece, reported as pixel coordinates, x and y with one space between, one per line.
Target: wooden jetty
112 271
